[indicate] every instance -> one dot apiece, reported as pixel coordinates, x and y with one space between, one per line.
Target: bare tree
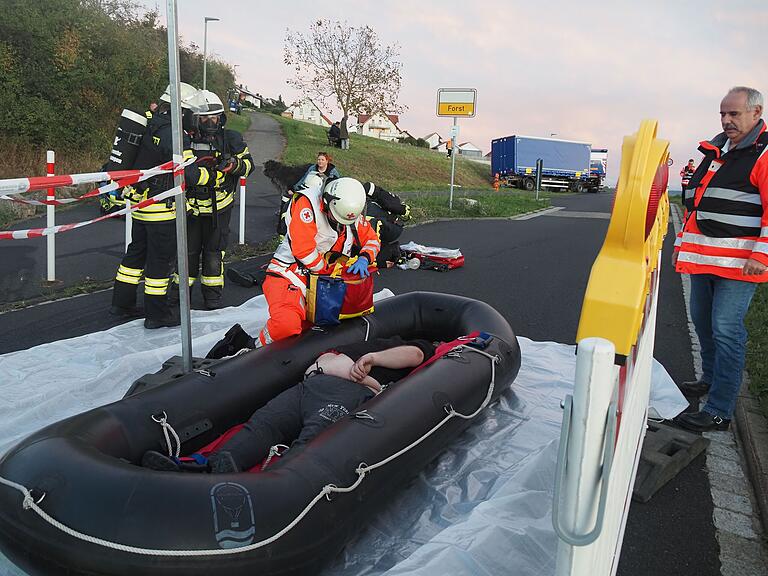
345 63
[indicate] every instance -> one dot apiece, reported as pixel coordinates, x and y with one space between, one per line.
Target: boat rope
168 431
274 451
30 502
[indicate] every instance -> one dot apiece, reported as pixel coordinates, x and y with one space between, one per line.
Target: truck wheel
529 184
578 187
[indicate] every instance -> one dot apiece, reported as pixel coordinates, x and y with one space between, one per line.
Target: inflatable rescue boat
74 499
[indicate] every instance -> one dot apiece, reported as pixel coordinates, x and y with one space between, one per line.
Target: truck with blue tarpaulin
565 162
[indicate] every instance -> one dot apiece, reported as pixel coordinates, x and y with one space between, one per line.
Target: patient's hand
362 367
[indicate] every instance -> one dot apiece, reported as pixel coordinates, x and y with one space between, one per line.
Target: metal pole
181 203
205 54
51 220
453 162
242 210
539 168
205 49
128 224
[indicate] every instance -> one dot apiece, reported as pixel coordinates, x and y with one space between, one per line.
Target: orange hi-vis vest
310 236
726 209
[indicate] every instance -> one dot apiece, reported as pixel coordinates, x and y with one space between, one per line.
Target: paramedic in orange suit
321 220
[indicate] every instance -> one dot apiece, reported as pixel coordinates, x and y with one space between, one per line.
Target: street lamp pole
205 49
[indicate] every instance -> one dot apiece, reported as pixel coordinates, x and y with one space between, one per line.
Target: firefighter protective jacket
224 144
726 209
310 236
156 148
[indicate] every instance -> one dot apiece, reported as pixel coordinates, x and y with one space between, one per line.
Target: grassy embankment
422 175
757 346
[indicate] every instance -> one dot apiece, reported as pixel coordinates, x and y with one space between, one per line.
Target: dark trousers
296 415
208 242
152 254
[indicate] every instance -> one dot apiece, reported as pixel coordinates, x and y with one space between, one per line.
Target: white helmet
313 179
210 101
187 95
344 198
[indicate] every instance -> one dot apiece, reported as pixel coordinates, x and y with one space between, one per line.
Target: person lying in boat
339 381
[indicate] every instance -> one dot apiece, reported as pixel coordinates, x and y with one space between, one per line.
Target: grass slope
396 167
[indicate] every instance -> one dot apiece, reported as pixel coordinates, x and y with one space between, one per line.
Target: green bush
68 68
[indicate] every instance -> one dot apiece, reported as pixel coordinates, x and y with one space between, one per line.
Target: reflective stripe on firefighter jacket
310 236
156 148
686 174
726 209
225 143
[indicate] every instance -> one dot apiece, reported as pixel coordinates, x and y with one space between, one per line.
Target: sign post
455 102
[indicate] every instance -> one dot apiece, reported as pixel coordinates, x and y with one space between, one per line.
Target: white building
250 97
307 111
434 139
379 126
470 150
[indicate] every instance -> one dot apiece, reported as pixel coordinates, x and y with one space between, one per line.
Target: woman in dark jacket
324 168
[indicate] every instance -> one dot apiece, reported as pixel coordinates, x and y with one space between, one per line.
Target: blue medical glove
360 266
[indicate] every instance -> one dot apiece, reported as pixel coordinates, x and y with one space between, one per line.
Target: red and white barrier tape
121 178
38 232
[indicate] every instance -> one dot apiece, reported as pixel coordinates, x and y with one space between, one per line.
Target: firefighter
210 204
152 251
686 173
386 213
323 222
496 182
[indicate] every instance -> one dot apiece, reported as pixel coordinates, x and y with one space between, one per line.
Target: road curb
752 430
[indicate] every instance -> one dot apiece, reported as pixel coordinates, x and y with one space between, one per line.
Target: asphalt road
534 272
95 251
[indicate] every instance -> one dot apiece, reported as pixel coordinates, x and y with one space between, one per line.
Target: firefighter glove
360 267
234 166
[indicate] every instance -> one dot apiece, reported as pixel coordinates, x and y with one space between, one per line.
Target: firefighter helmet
344 200
313 179
187 95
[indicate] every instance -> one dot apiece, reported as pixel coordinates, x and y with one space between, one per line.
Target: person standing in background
344 133
724 247
686 173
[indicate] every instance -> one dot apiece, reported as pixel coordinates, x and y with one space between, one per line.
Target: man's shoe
126 312
234 340
694 388
242 278
223 463
167 322
702 422
156 461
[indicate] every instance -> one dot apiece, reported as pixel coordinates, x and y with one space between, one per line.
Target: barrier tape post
242 210
50 221
128 223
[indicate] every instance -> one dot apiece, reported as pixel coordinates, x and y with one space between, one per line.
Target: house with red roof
381 126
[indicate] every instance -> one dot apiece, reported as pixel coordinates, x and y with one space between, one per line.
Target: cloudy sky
584 70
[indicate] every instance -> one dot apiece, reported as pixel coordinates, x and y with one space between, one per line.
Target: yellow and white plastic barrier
604 422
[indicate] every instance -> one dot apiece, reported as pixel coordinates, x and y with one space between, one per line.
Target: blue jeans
718 308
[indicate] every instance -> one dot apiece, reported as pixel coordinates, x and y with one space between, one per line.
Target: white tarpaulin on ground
484 504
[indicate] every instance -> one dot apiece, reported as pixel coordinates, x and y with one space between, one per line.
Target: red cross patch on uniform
306 215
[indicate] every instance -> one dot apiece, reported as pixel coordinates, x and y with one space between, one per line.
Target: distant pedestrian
724 247
449 147
333 135
344 133
686 173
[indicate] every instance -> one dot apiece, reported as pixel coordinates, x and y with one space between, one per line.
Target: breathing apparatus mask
210 118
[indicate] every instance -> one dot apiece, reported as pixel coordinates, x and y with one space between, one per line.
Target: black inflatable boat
73 499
